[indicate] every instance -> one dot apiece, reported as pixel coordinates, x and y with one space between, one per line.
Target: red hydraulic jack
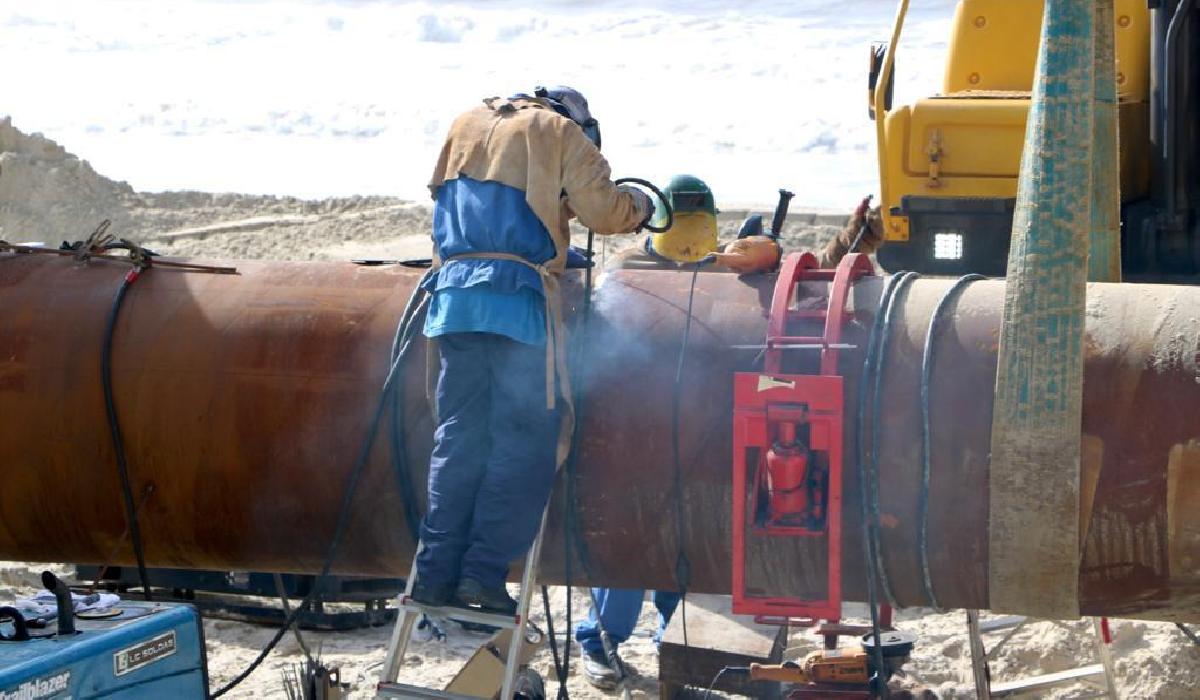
787 450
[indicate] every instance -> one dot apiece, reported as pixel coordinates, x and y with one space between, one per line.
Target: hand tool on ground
847 672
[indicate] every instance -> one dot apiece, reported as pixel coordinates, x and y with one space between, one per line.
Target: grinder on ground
850 671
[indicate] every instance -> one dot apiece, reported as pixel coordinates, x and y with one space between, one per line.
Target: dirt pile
48 194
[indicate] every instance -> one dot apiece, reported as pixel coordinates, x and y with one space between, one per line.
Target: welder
511 175
692 236
616 613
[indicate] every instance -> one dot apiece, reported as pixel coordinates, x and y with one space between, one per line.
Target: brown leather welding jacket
524 143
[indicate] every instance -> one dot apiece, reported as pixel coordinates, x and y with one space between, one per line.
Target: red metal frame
803 267
762 400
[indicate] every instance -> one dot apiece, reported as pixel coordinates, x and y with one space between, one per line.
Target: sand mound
48 194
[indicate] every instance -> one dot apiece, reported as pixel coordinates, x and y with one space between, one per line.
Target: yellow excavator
949 163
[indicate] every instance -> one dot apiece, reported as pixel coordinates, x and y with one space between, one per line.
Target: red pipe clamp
787 444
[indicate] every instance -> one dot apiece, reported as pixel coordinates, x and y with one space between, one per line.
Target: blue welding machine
144 650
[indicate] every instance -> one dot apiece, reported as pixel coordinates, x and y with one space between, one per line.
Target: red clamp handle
801 267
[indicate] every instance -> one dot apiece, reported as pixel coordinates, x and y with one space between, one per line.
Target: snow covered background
343 97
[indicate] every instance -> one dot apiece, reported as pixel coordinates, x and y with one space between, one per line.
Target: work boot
434 594
474 594
599 672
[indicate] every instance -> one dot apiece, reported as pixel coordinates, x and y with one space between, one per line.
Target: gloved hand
751 254
642 201
865 228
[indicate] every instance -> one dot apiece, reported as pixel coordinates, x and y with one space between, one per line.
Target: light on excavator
947 246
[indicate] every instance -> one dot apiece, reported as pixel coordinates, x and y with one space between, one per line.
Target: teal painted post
1034 475
1104 251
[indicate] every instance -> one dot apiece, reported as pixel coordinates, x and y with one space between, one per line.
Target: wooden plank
717 638
1033 546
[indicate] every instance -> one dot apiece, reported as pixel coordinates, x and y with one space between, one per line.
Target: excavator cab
949 163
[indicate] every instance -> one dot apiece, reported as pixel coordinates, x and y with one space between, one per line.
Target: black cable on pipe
887 312
717 678
559 671
1188 633
683 566
927 359
574 543
863 476
405 331
343 519
114 428
286 604
866 477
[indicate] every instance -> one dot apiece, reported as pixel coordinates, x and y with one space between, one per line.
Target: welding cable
927 360
683 565
661 197
559 672
343 518
720 674
114 426
870 540
1188 633
286 604
406 330
863 487
887 312
573 542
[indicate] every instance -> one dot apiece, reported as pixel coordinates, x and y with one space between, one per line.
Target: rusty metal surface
245 398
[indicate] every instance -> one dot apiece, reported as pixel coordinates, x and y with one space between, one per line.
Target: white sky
335 98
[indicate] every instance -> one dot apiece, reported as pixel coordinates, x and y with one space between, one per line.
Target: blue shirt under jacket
487 296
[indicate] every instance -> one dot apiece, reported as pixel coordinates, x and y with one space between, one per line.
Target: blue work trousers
493 463
619 611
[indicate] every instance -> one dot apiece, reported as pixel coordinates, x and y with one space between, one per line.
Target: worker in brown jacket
512 173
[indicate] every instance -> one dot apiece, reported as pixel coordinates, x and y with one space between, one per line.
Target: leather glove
751 254
642 201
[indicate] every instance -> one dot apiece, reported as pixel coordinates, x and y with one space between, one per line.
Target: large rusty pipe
244 399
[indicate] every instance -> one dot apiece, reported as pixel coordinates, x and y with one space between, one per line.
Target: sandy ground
1153 660
47 194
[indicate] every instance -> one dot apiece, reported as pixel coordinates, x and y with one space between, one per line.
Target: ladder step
1049 680
501 620
404 690
1001 623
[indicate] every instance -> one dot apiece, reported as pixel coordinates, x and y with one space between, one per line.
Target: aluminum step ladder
410 611
1098 675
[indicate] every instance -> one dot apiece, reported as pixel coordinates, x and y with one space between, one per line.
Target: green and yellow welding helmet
693 234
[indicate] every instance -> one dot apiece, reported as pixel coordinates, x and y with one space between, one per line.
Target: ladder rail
983 683
517 641
389 685
402 631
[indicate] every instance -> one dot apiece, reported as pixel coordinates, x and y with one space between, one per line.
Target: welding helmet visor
571 103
